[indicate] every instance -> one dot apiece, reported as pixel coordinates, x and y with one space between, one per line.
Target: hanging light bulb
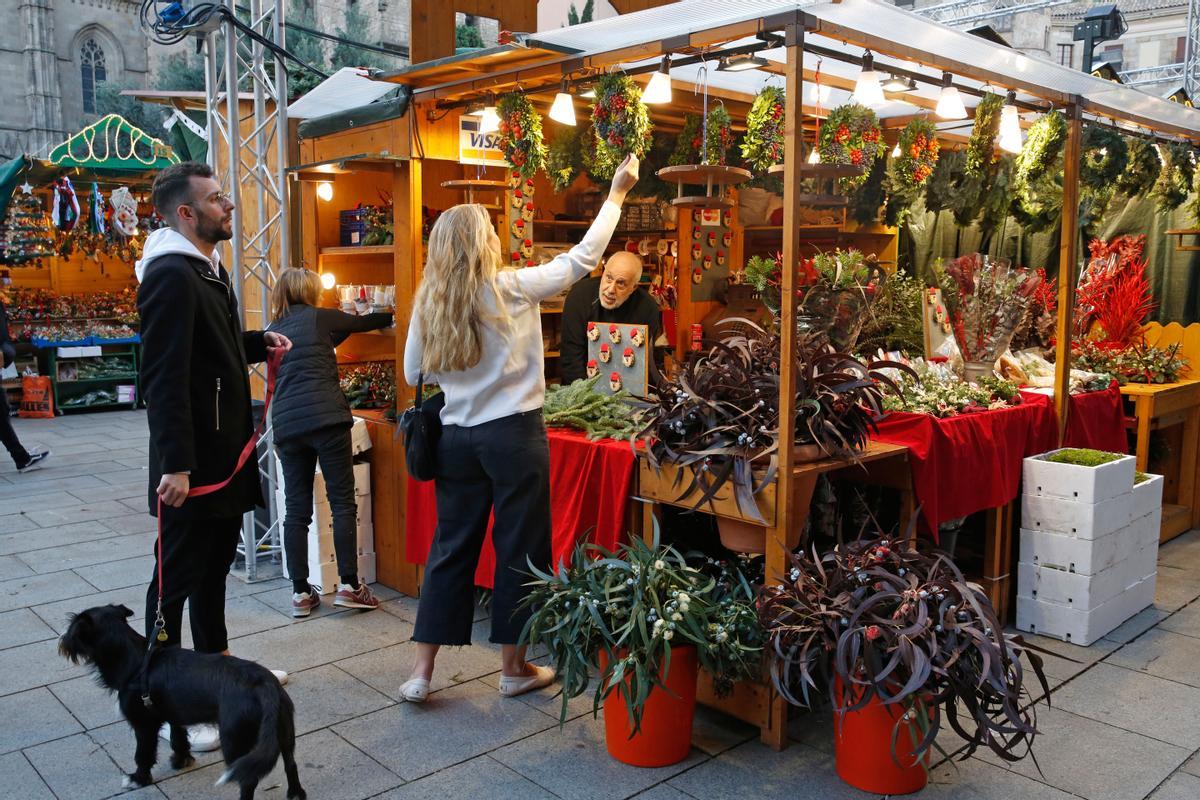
896 150
325 191
867 90
814 156
589 93
563 108
950 104
658 90
1010 125
327 280
489 120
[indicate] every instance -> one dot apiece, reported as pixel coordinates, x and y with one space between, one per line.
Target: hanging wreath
563 159
869 196
851 135
620 123
980 148
762 147
521 134
687 144
919 149
720 136
1143 168
942 184
1105 156
1042 148
1175 180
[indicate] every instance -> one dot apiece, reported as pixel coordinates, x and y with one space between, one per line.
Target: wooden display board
620 354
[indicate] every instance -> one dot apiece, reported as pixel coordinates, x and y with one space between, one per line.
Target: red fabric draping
1095 420
589 488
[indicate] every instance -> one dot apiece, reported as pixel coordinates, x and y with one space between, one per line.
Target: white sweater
510 377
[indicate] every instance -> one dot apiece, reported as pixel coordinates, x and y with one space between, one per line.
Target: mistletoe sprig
762 147
851 135
521 134
620 123
919 150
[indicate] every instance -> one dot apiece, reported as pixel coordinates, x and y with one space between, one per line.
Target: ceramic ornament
518 199
527 212
712 239
697 275
721 257
531 263
592 368
529 186
696 233
627 357
593 332
614 333
708 262
614 381
727 217
605 353
636 336
124 211
696 253
727 239
527 248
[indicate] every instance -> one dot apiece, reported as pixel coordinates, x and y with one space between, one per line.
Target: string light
896 150
489 120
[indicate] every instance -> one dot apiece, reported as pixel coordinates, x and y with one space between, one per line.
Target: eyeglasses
219 197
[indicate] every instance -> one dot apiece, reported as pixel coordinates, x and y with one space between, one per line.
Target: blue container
353 227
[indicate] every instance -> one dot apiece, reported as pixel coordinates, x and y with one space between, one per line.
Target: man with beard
613 297
197 390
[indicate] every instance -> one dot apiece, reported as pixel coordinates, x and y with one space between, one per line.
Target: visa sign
478 148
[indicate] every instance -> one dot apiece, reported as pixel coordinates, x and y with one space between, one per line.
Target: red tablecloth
589 488
1096 419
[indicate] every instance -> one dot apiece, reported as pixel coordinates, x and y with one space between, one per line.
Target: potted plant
643 620
898 641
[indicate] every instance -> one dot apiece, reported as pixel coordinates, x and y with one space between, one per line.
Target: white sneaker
202 738
280 676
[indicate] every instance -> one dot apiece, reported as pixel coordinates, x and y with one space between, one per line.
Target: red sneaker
360 597
303 604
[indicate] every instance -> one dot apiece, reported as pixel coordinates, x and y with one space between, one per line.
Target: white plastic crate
1083 520
1072 554
1072 588
1147 496
1074 482
1079 626
323 516
1146 530
327 575
360 438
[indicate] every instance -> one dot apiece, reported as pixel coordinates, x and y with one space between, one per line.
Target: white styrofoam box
1147 496
360 438
1072 588
1142 564
69 352
1146 530
366 538
362 479
1080 626
1081 484
1084 520
324 516
1070 553
327 576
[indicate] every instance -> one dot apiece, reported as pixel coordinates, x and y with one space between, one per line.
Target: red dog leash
274 357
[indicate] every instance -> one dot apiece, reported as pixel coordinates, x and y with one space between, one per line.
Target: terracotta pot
665 736
863 748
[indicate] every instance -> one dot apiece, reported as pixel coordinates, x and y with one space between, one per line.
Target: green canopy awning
112 143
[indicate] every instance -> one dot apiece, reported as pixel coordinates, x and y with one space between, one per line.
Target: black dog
253 712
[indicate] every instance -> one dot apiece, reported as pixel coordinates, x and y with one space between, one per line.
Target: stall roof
345 89
471 64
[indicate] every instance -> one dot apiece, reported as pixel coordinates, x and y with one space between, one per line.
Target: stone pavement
1125 723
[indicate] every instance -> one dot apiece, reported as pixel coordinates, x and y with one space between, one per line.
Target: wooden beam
1068 255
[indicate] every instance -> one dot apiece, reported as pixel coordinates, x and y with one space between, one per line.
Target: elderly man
613 297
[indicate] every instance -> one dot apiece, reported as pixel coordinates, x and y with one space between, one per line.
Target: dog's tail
255 765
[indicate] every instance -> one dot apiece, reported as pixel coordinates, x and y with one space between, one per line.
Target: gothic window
91 60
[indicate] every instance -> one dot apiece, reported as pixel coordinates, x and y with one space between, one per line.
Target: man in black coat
25 460
613 297
197 391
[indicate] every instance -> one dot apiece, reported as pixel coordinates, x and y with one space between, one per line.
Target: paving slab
26 542
1182 551
1159 652
15 523
55 614
22 626
325 696
36 664
797 773
1185 621
1180 786
89 702
1192 767
549 701
118 574
118 741
298 646
20 780
1136 625
82 512
974 779
15 501
1135 701
478 778
135 491
1175 587
137 522
42 589
664 791
84 554
243 616
13 567
414 740
33 717
76 768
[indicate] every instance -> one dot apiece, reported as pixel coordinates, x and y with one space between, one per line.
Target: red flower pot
665 737
863 749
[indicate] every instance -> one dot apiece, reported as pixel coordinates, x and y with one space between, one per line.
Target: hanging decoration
687 144
851 135
28 236
919 150
981 146
996 200
564 160
943 183
96 211
521 134
719 136
64 211
113 143
1105 155
1142 170
620 123
1175 180
762 146
124 218
869 196
1043 146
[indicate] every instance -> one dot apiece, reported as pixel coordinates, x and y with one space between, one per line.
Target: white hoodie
166 241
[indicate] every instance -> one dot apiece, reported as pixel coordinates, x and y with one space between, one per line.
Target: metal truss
248 151
1191 57
1148 75
971 12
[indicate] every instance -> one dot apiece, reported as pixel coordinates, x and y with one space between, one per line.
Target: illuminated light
489 120
658 90
562 110
950 104
1010 126
867 90
325 191
328 281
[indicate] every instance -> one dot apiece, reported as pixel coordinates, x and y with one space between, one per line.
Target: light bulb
867 90
896 151
328 280
1010 126
325 191
489 120
950 104
563 108
814 157
658 90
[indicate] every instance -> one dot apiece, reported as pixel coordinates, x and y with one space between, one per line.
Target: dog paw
133 781
181 760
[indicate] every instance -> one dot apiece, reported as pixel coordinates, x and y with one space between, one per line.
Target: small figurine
712 239
592 369
614 381
696 253
518 199
614 333
627 357
721 257
515 256
527 248
518 228
637 337
527 212
697 275
514 181
727 239
696 233
593 332
727 217
708 262
605 353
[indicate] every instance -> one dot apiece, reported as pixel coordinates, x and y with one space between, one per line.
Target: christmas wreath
980 150
1143 168
763 146
620 123
1042 148
720 136
687 145
851 135
1175 180
1105 156
942 184
919 149
521 134
564 160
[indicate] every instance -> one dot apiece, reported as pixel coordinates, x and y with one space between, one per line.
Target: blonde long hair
451 304
294 287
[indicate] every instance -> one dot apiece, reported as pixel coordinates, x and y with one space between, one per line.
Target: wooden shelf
551 354
822 200
552 310
361 250
702 201
563 223
823 170
779 228
704 174
372 415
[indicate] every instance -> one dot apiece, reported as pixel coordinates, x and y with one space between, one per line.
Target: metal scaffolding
972 12
249 154
1191 57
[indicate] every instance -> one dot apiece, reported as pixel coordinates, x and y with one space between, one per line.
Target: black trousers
332 448
196 557
8 437
503 467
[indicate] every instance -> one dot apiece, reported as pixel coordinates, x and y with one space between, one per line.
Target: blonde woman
476 332
311 422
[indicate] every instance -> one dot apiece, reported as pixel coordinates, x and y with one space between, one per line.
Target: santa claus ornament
527 248
614 381
527 212
712 239
696 253
592 368
605 353
708 262
124 218
518 229
721 257
727 238
627 357
64 213
637 337
727 217
593 332
696 234
518 199
514 181
697 275
614 333
515 257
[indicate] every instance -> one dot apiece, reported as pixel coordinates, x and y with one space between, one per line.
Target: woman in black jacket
311 422
25 460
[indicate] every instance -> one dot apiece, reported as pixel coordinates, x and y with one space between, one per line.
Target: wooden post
1068 256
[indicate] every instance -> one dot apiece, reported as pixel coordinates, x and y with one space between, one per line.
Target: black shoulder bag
422 426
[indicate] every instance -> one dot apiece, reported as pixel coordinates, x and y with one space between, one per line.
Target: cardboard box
1082 520
1073 482
1079 626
